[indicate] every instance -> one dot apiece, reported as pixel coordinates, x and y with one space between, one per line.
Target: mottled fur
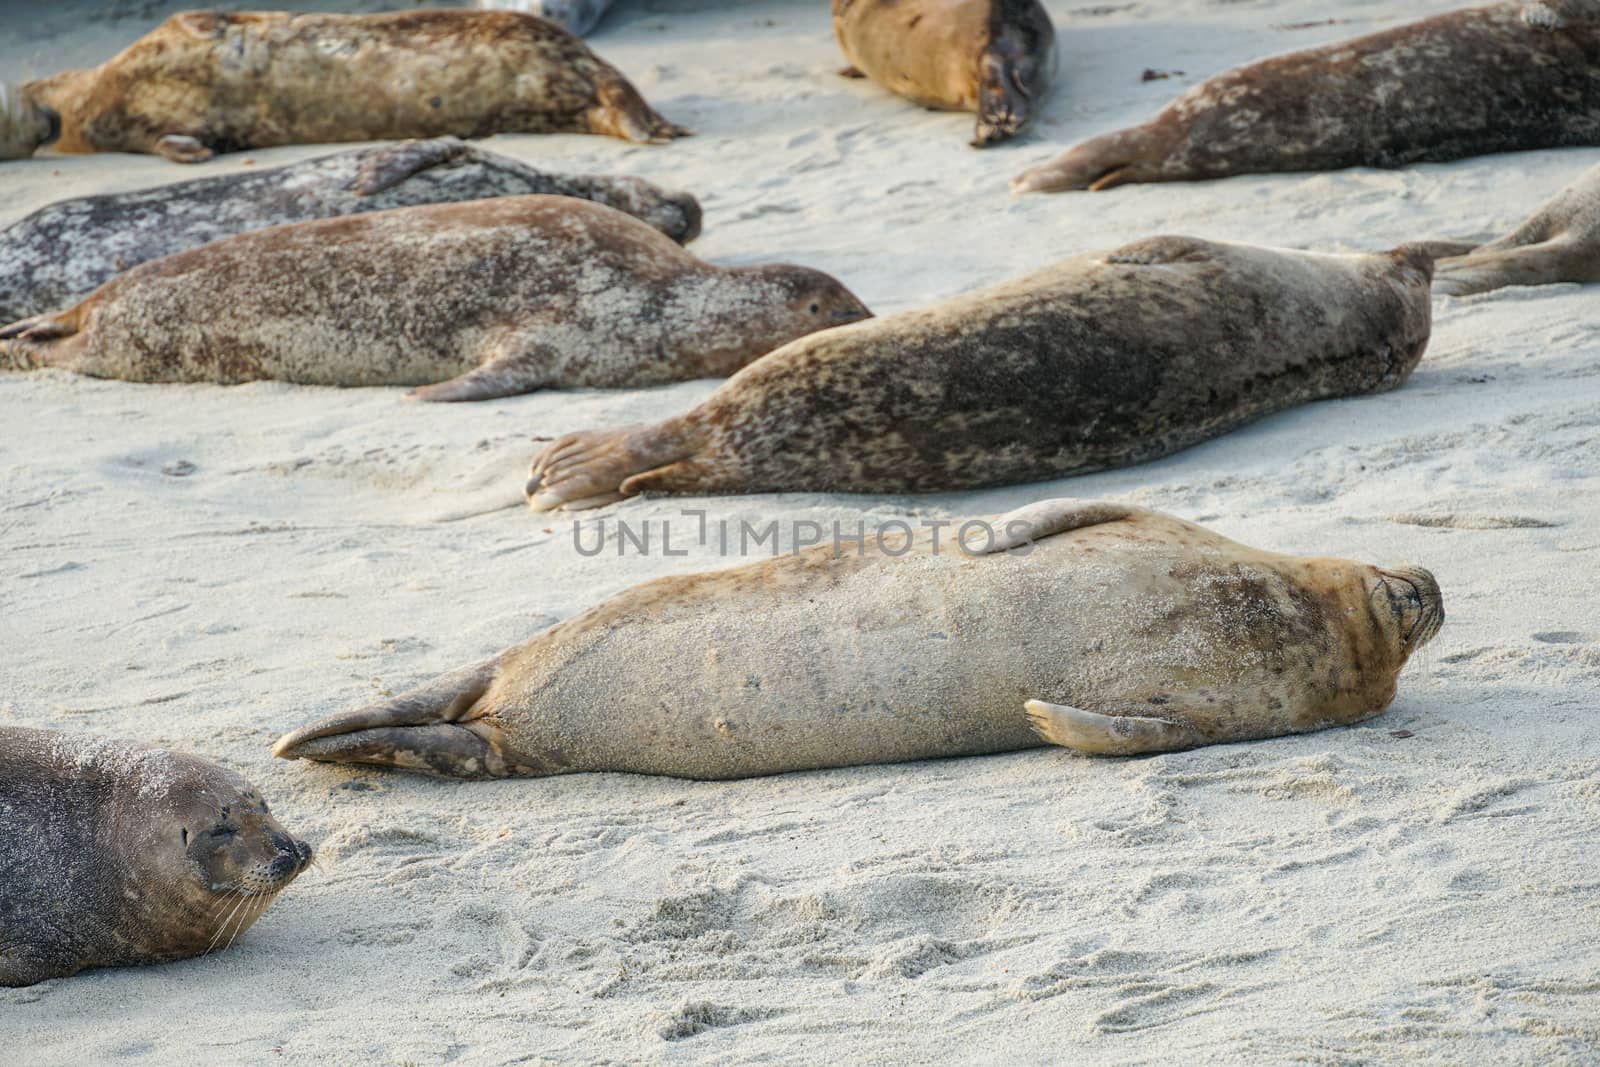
1103 360
62 253
1501 78
995 57
829 659
204 82
504 296
1559 243
114 854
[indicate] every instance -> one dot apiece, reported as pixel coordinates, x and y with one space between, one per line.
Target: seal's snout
292 858
1419 602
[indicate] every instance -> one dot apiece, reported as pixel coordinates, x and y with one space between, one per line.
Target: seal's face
25 125
1407 607
236 847
818 301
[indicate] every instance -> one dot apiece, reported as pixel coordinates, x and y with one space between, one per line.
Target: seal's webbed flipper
1541 264
1107 735
503 376
384 168
595 467
1046 518
182 148
851 71
1099 163
1443 248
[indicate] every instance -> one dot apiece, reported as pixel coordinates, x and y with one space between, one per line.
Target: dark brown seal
1501 78
1100 361
484 299
1144 632
203 83
1559 243
995 57
114 854
63 252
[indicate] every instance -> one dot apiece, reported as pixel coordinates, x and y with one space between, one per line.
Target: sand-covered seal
995 57
61 253
1101 627
472 301
114 854
1500 78
24 125
575 16
204 82
1559 243
1102 360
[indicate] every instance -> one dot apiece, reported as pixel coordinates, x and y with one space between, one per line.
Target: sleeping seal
1500 78
995 57
1559 243
204 82
61 253
473 301
114 854
1101 627
1103 360
24 125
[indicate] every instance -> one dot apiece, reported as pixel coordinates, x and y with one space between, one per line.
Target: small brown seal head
25 124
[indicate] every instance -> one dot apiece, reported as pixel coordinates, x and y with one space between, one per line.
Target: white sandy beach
206 567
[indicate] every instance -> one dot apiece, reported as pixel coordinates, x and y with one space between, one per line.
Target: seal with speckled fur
61 253
1559 243
24 125
114 854
1101 627
1501 78
995 57
575 16
1103 360
204 82
472 301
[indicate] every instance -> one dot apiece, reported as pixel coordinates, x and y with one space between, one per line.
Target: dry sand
206 567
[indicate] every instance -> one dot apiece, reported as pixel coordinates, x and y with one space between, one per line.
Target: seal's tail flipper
1542 264
1107 735
1102 162
388 166
420 730
27 345
595 467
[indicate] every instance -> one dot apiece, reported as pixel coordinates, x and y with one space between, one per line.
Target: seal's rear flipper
384 168
1444 248
1108 735
1541 264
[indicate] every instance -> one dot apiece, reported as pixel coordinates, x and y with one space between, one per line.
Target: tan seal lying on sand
204 82
995 57
488 298
1559 243
63 252
1101 627
1500 78
1103 360
114 854
24 125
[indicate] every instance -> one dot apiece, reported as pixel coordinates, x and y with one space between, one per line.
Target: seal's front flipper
384 168
1159 251
1046 518
1108 735
851 72
503 376
181 148
1004 104
1099 163
595 467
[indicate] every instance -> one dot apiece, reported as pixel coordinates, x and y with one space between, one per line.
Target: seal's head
1406 607
815 301
25 124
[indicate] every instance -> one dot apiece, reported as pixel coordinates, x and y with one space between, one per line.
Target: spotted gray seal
204 82
114 854
1103 360
471 301
1101 627
995 57
1500 78
63 252
1559 243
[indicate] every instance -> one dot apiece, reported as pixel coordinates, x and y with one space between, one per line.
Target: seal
114 854
1559 243
1101 627
1501 78
62 253
577 17
995 57
1103 360
473 301
25 126
204 82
